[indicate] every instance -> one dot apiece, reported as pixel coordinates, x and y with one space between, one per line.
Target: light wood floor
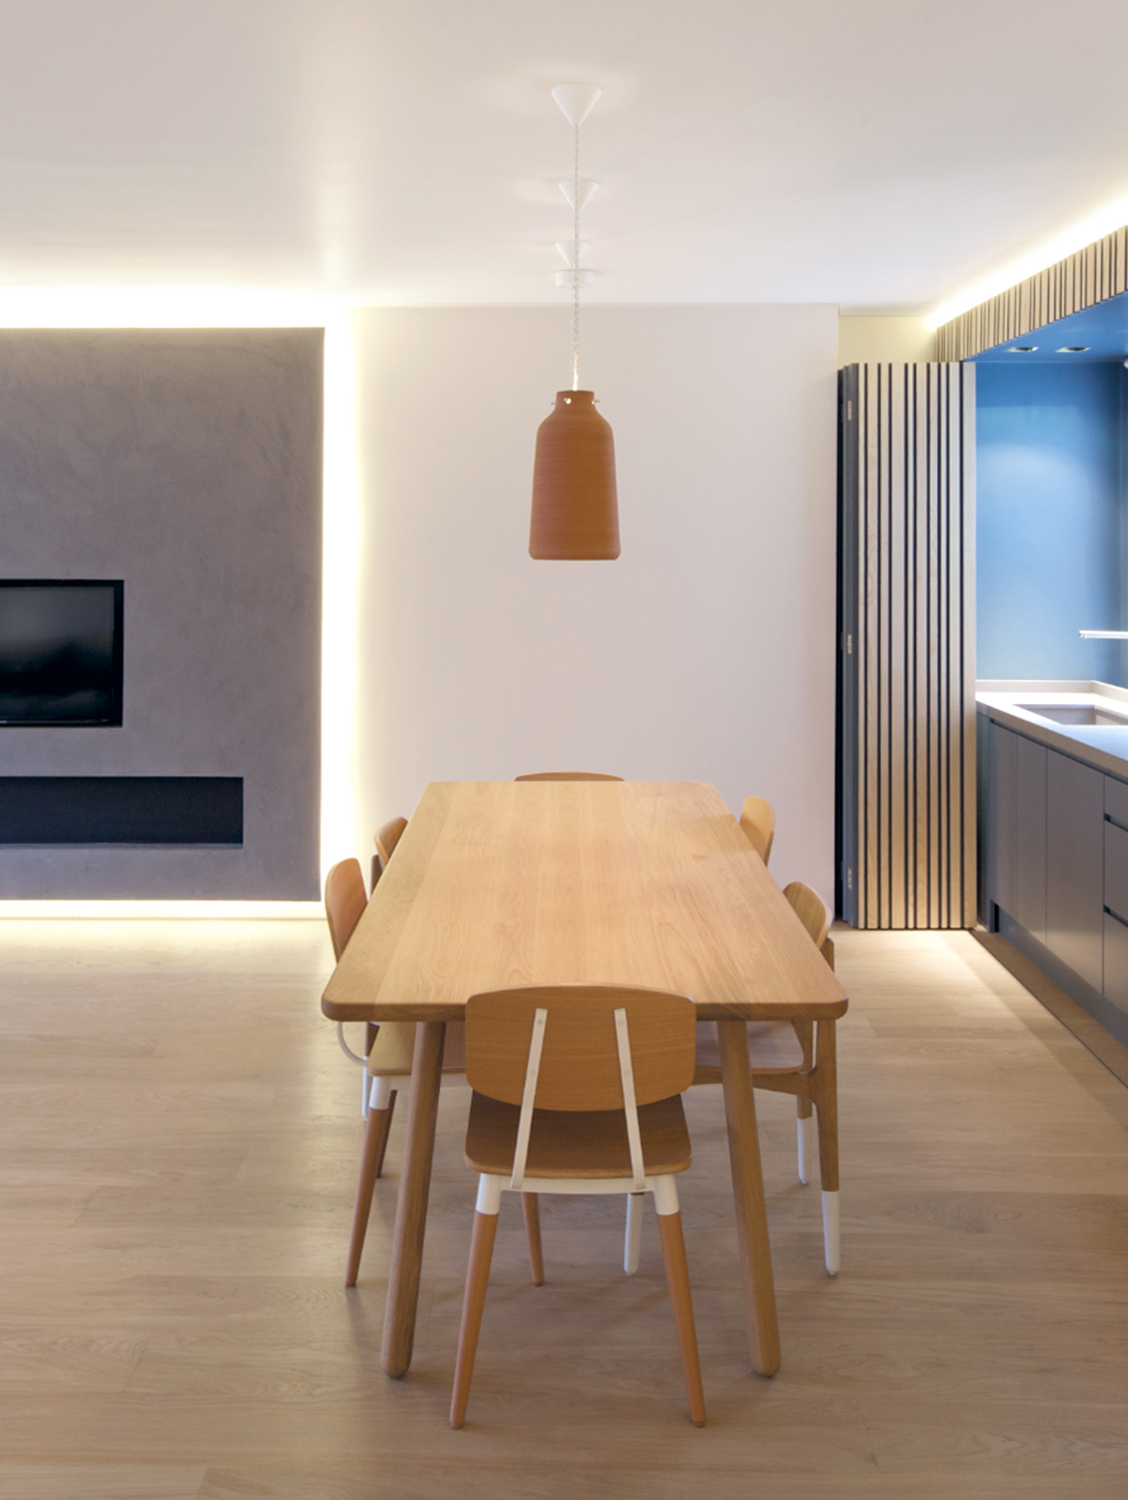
177 1146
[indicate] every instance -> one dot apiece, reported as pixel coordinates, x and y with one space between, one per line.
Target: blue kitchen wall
1049 500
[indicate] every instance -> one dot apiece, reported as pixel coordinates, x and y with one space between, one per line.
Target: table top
652 884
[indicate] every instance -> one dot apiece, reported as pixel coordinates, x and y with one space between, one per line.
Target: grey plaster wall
187 463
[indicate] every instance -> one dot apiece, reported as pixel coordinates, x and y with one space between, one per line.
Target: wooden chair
757 818
577 1090
390 1052
796 1057
567 776
386 840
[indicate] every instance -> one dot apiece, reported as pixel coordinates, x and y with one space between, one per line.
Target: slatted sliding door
906 751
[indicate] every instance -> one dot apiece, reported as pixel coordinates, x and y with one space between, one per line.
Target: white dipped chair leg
634 1232
356 1058
806 1140
832 1237
474 1298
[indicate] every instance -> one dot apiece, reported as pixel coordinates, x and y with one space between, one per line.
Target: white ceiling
872 153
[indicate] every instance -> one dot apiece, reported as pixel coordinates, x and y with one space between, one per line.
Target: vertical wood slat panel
942 852
868 873
937 854
949 711
935 719
917 501
914 864
944 666
967 625
900 457
961 505
881 673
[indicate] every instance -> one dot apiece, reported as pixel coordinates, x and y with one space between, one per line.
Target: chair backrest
388 837
567 776
579 1066
385 840
811 910
345 900
757 818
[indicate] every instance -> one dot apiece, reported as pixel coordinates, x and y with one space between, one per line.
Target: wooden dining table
649 884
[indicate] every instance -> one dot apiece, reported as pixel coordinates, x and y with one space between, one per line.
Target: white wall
706 652
879 340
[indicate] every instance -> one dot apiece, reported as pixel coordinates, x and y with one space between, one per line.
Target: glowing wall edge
222 307
340 605
158 307
164 910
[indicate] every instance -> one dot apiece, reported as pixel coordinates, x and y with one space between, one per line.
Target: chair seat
565 1143
394 1048
773 1047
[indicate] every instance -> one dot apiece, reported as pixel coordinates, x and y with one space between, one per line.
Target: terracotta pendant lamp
575 504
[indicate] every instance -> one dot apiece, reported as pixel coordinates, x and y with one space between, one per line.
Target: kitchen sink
1078 713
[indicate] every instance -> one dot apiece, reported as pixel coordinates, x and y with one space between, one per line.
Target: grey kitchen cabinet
1002 814
1116 896
1030 837
1055 872
1116 962
1116 870
1075 800
1116 801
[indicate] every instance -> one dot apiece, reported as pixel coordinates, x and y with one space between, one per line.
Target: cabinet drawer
1116 870
1075 825
1116 800
1029 908
1116 962
1001 827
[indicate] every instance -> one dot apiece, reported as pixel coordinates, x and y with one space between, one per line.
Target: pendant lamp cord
576 261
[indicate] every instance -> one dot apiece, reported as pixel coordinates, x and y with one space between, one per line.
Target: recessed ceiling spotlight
1022 348
1074 349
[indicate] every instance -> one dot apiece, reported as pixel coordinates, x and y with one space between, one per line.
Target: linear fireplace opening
200 811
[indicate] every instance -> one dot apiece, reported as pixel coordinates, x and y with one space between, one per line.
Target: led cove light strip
158 307
1112 216
163 910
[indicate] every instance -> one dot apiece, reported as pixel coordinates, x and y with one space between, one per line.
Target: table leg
411 1205
748 1192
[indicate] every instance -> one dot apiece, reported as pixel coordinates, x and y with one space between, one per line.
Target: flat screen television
60 651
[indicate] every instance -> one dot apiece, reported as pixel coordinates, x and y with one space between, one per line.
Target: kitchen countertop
1103 746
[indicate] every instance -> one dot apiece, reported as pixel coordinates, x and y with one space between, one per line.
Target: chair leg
677 1279
473 1302
825 1087
371 1161
805 1137
634 1232
530 1205
832 1234
387 1132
